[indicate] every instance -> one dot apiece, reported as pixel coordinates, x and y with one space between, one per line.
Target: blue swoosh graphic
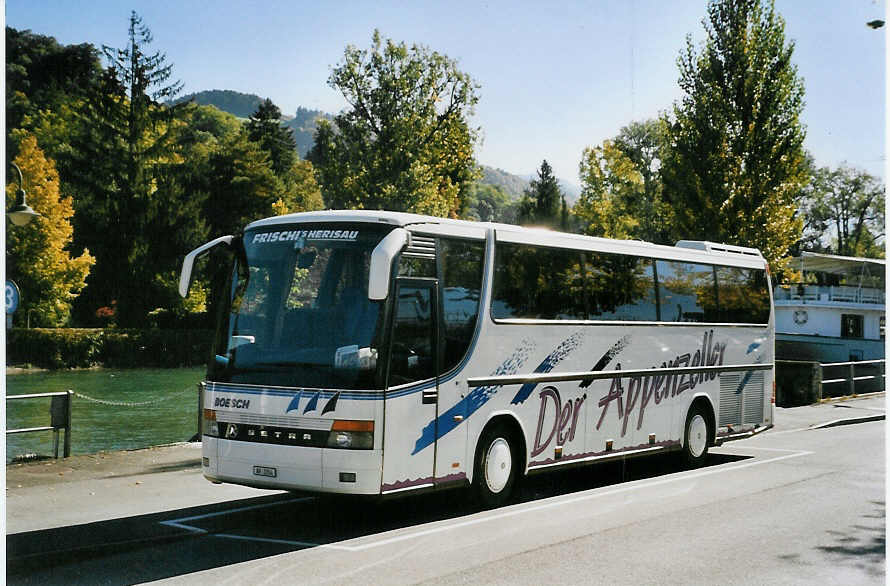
312 405
548 364
294 403
616 349
475 399
748 375
754 346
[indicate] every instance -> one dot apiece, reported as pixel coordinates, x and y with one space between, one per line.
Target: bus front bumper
292 467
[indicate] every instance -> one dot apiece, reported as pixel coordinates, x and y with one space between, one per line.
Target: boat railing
830 293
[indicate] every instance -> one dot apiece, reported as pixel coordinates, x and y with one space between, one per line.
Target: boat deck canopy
813 262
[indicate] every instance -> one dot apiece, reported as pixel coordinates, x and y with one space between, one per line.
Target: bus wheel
695 439
495 472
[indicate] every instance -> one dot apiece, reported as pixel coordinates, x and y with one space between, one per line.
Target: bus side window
742 295
461 263
536 282
688 291
622 287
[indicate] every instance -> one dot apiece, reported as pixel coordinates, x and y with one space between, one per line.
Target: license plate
265 471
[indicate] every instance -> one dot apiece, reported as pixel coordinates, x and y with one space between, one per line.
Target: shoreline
20 370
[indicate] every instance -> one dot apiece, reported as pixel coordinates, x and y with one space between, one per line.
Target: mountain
243 105
235 103
303 126
572 191
515 185
512 184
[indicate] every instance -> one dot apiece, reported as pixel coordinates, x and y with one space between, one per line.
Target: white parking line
180 523
267 540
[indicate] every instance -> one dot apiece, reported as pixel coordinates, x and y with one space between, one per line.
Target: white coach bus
374 353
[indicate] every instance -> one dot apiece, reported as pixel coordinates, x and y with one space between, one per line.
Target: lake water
113 410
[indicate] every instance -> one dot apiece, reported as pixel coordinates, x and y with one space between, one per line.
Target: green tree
264 127
300 191
542 202
38 257
404 143
489 203
611 188
734 162
242 186
643 144
621 186
844 213
130 208
43 76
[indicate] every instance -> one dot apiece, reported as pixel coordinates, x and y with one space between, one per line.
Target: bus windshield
297 313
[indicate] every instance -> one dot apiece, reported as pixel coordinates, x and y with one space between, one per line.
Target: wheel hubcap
498 464
698 435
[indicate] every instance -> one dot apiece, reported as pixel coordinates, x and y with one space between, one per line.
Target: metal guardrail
852 378
60 418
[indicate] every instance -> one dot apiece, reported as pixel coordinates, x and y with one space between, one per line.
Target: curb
851 397
849 421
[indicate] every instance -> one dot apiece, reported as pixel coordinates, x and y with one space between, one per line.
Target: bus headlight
210 426
351 435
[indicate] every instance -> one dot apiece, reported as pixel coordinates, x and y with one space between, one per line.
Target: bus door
412 386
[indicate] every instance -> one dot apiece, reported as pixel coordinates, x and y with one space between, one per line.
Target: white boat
836 314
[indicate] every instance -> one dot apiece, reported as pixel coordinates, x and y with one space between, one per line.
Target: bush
78 348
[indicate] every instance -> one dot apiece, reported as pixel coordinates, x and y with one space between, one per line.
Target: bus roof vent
420 247
718 248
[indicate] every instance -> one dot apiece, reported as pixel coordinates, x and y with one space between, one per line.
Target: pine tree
127 153
264 127
543 200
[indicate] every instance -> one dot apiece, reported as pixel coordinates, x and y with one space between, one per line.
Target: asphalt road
791 506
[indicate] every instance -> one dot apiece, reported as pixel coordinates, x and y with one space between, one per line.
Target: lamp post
21 213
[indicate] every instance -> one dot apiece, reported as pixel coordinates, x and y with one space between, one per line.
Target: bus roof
685 250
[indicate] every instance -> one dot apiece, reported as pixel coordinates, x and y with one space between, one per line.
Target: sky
554 77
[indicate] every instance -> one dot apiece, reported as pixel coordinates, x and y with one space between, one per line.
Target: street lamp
21 213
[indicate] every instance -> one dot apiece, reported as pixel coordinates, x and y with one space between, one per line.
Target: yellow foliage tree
37 255
611 184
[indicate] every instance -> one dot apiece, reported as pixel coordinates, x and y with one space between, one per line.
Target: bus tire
495 471
695 438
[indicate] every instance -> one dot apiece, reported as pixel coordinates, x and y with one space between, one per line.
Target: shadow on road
173 543
863 545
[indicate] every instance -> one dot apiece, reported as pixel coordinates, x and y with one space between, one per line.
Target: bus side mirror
381 263
188 263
